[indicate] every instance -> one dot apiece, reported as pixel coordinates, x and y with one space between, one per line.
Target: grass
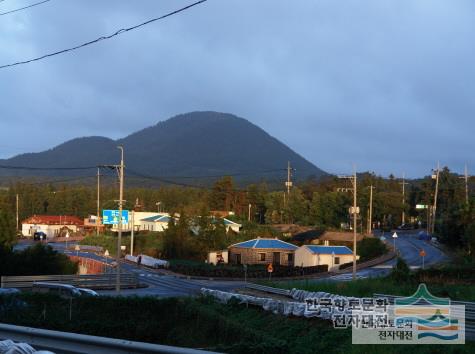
198 323
387 285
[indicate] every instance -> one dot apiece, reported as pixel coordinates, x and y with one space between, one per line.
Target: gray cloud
383 84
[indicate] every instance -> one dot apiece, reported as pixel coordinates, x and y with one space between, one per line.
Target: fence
73 343
91 281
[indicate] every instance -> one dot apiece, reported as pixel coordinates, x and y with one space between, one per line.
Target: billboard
111 217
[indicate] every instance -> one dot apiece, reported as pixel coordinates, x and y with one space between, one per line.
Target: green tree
7 229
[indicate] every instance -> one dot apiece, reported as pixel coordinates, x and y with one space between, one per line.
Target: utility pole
98 218
434 208
132 234
289 182
370 219
403 216
465 177
249 213
354 211
17 212
121 200
466 184
354 224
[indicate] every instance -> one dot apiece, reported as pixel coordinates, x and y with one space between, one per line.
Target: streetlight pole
434 209
119 233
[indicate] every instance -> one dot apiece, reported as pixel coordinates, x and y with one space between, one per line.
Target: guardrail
91 281
268 289
469 313
73 343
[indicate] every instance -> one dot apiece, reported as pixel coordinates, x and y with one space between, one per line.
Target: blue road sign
111 217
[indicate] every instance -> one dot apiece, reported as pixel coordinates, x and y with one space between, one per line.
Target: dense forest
322 204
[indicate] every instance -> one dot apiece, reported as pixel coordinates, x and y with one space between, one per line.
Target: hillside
195 144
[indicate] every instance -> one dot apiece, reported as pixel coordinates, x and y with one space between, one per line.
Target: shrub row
237 271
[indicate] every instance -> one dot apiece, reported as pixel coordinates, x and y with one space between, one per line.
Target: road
158 284
408 247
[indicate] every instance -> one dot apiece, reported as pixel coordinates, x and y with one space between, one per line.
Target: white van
63 290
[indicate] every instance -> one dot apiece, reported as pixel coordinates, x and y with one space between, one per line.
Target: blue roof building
262 251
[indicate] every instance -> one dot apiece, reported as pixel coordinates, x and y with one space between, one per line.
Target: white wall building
333 256
51 225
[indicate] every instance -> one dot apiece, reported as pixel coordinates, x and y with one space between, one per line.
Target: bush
370 248
237 271
36 260
401 272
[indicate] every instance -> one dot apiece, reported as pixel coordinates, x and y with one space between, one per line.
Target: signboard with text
111 217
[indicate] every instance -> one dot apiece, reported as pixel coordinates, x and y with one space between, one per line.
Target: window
262 257
337 260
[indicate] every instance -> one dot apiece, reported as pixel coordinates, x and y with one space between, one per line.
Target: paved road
408 247
158 283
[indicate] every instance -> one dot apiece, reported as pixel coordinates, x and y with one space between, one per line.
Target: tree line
322 204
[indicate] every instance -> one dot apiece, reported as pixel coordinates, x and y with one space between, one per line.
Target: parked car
87 292
405 227
39 235
63 290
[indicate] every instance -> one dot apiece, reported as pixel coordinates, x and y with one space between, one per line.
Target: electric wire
23 8
120 31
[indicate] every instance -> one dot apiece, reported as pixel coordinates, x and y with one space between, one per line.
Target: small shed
217 257
262 251
333 256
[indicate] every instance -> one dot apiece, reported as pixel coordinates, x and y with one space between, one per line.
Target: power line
122 30
23 8
6 167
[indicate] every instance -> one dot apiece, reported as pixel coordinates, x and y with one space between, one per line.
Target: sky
384 85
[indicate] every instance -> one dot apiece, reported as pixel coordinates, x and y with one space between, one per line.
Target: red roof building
54 220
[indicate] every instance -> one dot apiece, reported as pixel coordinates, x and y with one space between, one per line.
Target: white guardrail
73 343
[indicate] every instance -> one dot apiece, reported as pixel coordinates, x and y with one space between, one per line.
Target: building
262 251
333 256
157 222
51 225
228 224
144 221
217 257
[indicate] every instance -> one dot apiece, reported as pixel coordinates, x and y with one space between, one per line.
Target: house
51 225
228 224
157 222
313 255
262 251
144 221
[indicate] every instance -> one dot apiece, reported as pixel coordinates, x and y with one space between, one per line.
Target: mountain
194 144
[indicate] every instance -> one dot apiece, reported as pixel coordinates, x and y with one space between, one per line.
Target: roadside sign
77 248
270 269
111 217
394 235
421 206
106 253
422 253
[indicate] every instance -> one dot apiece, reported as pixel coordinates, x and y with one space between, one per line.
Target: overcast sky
387 85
